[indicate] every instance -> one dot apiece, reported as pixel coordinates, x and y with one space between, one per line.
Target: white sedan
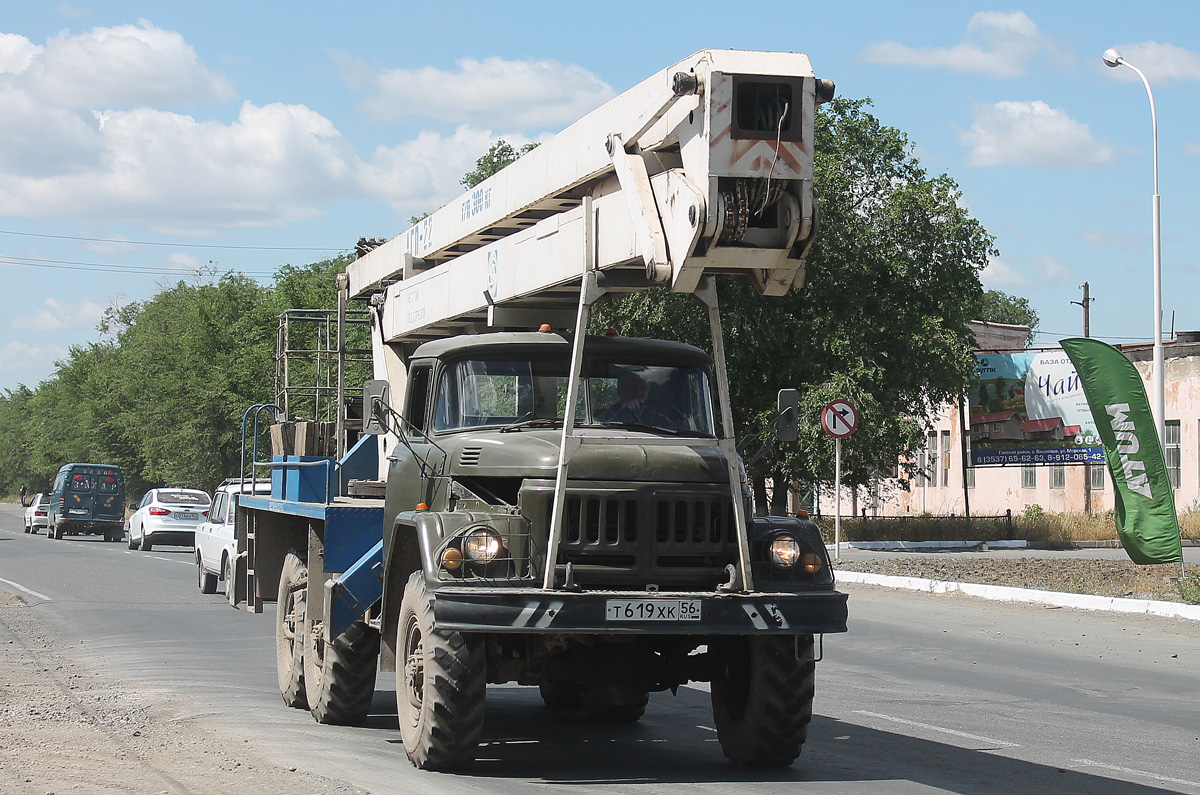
167 516
36 515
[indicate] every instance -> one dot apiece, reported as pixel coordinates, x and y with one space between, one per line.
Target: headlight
785 550
482 545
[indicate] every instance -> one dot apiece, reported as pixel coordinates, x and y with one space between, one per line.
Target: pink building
943 487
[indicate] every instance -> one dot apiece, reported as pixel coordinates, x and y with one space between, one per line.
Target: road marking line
1132 772
23 589
976 737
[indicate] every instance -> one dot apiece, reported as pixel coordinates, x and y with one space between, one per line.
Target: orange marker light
422 506
544 327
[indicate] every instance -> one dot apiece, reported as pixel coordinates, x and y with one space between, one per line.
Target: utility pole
1086 303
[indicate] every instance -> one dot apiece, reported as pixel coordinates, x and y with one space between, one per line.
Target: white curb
893 546
1004 593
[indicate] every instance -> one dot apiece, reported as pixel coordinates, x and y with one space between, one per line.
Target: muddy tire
339 675
441 681
762 699
289 630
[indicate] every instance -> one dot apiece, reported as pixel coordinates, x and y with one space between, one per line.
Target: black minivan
87 499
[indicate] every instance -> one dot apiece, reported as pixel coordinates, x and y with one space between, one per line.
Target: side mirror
788 423
376 399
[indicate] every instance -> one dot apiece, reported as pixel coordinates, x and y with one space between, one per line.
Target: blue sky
141 141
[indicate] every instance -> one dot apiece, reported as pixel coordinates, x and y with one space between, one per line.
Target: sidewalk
967 549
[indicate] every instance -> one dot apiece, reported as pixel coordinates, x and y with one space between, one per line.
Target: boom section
704 168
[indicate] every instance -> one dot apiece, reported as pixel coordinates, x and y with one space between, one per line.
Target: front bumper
534 611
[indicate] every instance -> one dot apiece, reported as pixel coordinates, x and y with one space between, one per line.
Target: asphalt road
925 694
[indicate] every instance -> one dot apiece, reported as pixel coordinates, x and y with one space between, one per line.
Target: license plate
185 516
652 610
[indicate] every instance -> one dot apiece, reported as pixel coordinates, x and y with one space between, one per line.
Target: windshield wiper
537 422
639 426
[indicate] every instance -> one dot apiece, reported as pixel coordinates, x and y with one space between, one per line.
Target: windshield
487 392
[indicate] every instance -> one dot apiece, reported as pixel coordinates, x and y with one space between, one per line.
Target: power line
103 267
338 249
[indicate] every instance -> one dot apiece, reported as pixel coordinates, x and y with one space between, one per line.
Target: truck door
407 487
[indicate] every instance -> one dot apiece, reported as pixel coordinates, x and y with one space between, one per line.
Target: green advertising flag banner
1144 503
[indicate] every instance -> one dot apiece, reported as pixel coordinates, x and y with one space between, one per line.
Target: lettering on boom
1128 445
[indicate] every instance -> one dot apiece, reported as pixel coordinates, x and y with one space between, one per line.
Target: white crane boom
704 168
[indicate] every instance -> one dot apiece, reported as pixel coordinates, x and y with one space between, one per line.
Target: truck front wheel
339 674
440 685
289 630
762 698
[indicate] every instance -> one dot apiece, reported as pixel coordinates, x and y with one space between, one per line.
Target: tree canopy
1000 307
498 155
162 393
893 280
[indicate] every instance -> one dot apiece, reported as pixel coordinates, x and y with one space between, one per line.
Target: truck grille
635 539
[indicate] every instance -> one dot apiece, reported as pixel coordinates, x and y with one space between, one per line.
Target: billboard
1028 408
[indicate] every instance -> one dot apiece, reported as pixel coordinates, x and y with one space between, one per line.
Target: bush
1189 588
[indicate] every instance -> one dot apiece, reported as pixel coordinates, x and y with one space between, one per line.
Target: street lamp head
1112 57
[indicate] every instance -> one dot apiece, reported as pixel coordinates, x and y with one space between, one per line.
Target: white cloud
68 148
18 357
125 66
1160 62
16 53
1032 134
997 45
492 92
1102 239
55 315
1191 148
998 275
1053 271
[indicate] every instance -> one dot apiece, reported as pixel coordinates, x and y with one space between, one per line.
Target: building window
1171 449
1097 476
945 458
970 477
1028 477
1058 476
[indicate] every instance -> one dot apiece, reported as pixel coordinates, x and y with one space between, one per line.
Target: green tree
893 281
1000 307
498 155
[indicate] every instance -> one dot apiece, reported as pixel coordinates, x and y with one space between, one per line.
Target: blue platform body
303 478
312 487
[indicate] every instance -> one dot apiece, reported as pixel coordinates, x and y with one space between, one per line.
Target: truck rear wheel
441 682
620 705
289 629
762 699
560 695
339 674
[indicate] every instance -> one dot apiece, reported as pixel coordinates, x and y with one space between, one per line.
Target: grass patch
1189 588
1032 525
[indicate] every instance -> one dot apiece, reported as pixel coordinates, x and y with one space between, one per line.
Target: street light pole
1158 400
1086 303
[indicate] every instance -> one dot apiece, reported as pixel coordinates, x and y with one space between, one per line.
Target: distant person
24 491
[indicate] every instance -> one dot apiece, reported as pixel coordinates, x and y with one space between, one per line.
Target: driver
632 390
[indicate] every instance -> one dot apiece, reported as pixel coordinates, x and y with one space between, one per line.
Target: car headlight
482 545
784 550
